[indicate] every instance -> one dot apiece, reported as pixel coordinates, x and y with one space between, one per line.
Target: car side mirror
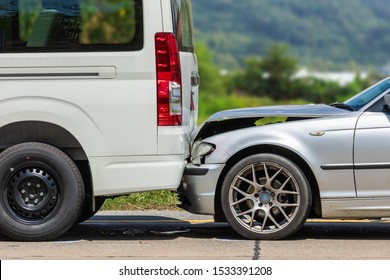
386 106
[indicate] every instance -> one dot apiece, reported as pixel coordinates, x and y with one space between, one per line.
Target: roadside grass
154 200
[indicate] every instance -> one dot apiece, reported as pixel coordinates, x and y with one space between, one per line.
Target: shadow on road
115 227
149 227
108 227
374 230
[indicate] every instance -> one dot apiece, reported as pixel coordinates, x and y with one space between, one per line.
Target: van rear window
70 25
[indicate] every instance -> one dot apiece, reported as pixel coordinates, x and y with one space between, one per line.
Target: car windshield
362 99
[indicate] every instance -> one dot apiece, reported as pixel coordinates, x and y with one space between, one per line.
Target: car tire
265 196
41 192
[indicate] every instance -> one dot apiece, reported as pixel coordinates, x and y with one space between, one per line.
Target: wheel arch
316 210
40 131
52 134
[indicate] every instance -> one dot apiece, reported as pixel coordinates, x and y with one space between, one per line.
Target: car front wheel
265 196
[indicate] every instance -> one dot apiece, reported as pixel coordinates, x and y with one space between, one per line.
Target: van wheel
42 192
265 196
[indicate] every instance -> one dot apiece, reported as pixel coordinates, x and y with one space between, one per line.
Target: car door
372 152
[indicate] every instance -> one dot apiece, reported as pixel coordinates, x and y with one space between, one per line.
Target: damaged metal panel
231 120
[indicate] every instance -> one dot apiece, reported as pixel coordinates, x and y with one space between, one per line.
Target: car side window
70 25
377 106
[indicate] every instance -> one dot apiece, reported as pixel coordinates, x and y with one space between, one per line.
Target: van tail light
169 90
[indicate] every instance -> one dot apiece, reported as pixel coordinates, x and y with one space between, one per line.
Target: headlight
200 150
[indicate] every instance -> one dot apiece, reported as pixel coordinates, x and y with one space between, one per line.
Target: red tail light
169 93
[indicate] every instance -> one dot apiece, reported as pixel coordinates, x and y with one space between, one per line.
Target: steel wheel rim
32 194
264 197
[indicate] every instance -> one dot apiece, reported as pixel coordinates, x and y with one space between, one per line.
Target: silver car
266 170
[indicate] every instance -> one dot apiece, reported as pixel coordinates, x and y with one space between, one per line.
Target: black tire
265 196
87 211
41 192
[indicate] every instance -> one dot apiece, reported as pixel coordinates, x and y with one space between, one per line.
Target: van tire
41 192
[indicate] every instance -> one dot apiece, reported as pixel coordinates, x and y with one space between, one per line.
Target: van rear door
184 31
177 20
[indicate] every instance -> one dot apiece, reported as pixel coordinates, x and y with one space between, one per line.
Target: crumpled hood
230 120
309 111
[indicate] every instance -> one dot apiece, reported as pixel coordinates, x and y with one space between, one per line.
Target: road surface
171 235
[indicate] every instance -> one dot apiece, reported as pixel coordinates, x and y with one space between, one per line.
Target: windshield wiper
342 106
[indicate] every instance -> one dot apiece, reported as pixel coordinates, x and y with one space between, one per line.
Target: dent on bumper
197 192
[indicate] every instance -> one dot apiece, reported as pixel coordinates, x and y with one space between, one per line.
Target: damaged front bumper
198 188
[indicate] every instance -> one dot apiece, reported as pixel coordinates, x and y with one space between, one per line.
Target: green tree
270 76
279 68
251 79
210 79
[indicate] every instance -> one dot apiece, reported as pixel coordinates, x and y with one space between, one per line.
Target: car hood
309 111
230 120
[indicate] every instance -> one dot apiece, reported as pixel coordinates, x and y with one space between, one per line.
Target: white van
98 98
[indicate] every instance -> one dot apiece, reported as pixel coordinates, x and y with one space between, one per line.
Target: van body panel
143 172
107 101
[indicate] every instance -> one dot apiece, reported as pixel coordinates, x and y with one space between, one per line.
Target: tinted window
362 99
70 25
183 24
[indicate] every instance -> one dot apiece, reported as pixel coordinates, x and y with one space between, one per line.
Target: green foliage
269 76
278 64
273 77
322 33
29 11
209 73
265 81
102 22
142 201
112 21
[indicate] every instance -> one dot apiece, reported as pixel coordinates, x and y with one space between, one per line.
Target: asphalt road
180 235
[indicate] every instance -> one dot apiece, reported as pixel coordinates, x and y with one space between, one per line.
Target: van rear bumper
174 140
121 175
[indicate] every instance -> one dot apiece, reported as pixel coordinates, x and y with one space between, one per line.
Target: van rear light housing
169 84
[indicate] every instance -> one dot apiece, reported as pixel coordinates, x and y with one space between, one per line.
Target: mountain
323 33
